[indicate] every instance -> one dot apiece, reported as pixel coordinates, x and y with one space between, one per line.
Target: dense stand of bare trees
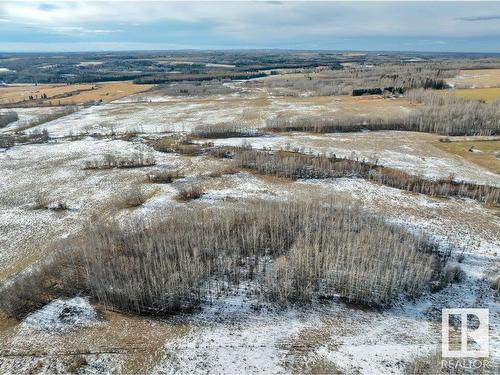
8 140
197 77
339 123
292 251
43 118
296 165
202 88
386 77
440 113
289 251
7 118
225 130
450 115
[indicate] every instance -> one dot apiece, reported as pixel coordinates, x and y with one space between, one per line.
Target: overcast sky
132 25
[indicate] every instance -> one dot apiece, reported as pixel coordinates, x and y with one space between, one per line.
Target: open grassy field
480 152
68 94
477 78
486 94
150 112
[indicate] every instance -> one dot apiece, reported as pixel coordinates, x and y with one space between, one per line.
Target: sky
67 25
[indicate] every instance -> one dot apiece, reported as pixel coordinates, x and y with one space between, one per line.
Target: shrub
42 201
230 170
189 192
164 177
222 152
7 141
134 197
36 136
183 147
109 161
493 278
452 273
215 173
190 149
495 283
60 206
429 364
164 145
434 363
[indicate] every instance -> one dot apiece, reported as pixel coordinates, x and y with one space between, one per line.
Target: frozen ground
230 335
25 116
62 314
409 151
152 113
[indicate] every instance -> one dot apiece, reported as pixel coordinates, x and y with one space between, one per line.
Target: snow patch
63 314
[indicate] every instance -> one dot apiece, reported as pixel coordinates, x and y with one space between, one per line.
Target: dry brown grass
69 94
485 154
15 94
434 363
477 78
485 94
139 340
108 92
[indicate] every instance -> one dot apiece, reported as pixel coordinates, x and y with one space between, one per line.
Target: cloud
69 30
102 31
263 23
480 18
260 19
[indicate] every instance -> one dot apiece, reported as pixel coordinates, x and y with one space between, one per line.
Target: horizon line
254 49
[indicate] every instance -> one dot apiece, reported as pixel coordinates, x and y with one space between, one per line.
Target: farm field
68 94
486 94
482 152
155 113
477 78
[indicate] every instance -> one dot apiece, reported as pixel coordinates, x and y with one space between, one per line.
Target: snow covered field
150 112
230 335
